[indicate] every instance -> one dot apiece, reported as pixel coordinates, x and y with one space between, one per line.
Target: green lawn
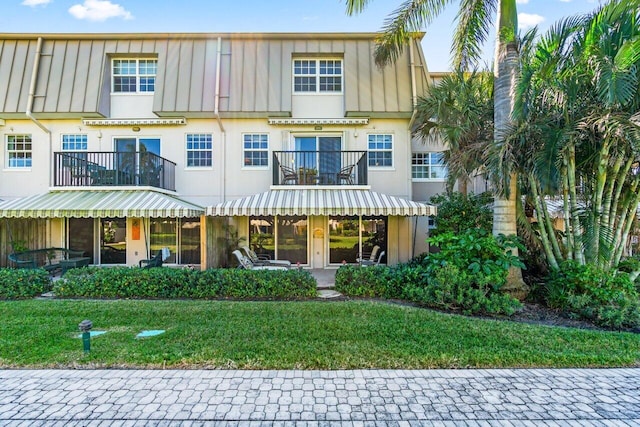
287 335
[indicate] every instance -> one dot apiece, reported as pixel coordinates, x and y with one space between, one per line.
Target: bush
124 282
16 283
466 275
458 213
605 297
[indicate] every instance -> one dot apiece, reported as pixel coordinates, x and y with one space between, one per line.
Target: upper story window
134 75
199 150
19 151
428 166
74 142
380 150
256 149
317 76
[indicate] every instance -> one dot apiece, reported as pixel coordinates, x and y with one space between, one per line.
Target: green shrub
607 298
433 283
450 289
458 213
124 282
370 282
16 283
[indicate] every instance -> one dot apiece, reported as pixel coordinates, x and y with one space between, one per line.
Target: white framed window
380 148
74 142
19 151
317 75
199 150
428 166
255 148
134 75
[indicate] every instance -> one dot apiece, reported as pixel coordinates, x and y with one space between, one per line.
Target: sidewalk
511 397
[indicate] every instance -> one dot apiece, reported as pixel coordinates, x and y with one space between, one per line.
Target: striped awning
321 202
99 204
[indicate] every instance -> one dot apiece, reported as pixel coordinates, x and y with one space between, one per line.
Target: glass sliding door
81 236
262 236
163 233
318 159
344 239
138 160
113 241
292 238
374 233
190 241
349 235
282 237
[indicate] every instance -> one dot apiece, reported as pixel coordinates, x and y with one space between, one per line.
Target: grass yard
288 335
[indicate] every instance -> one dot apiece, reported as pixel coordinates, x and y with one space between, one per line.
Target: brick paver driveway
527 397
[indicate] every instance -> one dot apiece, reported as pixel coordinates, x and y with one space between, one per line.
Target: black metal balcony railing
120 168
320 168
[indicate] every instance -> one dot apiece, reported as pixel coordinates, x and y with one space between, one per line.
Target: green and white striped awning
99 204
321 202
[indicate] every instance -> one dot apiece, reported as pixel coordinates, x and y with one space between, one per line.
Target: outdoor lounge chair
155 261
244 262
367 263
258 260
372 256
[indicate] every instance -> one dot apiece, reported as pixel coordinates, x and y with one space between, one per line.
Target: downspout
414 103
216 112
32 94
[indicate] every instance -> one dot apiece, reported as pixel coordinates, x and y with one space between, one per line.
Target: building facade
294 144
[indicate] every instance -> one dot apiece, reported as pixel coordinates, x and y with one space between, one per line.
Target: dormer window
134 75
317 76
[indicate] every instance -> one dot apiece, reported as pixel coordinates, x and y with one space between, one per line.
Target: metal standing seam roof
94 204
320 202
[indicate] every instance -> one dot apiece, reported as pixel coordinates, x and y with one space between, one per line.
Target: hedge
125 282
18 283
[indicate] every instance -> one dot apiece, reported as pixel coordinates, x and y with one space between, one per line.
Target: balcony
320 168
121 168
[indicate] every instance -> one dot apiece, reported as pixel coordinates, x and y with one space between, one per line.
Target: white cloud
34 3
522 1
528 20
99 10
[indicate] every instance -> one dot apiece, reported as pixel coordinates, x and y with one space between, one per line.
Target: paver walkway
525 397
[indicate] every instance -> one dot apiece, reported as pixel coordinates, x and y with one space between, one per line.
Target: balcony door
318 158
138 160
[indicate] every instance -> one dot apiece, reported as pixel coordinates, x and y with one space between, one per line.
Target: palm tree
459 111
474 19
576 101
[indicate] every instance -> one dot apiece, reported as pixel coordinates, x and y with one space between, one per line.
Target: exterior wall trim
135 122
340 121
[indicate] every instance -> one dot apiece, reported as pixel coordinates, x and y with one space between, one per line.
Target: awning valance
99 204
321 202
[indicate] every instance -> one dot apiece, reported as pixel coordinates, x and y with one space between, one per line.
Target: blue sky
87 16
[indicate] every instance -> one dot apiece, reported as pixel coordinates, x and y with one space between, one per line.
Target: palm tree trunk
504 206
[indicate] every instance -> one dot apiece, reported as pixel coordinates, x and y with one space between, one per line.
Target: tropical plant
474 20
459 112
577 136
458 212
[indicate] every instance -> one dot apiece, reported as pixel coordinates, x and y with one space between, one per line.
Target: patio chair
262 260
288 175
155 261
346 174
372 256
368 263
245 263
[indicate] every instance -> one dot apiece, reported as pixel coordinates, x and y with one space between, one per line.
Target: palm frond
396 31
356 6
474 21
